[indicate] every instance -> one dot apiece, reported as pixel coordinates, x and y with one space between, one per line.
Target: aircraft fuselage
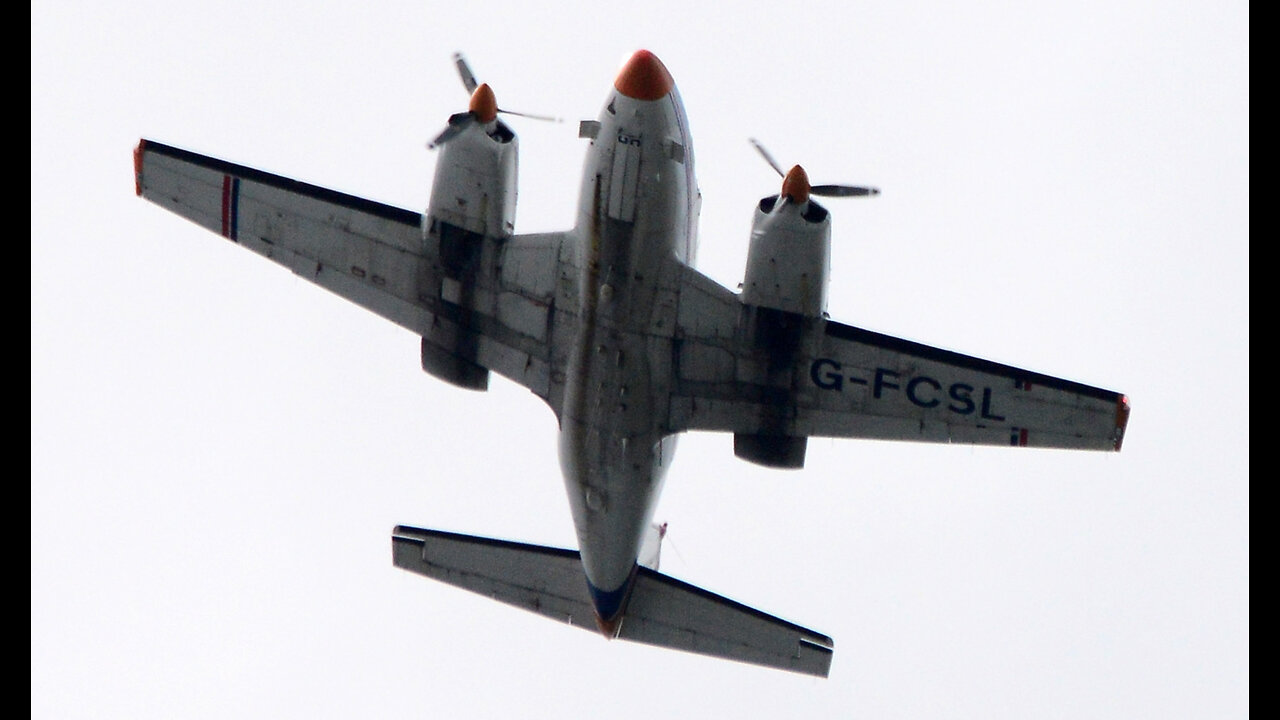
636 218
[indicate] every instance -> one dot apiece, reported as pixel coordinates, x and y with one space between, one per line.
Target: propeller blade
464 70
842 191
548 118
819 190
481 109
767 157
457 123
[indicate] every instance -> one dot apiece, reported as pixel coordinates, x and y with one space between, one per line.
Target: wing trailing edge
661 610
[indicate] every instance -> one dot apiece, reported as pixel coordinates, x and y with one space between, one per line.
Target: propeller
482 109
796 182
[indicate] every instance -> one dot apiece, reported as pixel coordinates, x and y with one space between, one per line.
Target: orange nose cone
796 185
644 77
483 104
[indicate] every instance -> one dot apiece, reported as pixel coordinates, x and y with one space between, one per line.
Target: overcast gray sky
220 450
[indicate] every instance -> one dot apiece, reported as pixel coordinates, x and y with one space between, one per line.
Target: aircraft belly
611 452
611 447
633 225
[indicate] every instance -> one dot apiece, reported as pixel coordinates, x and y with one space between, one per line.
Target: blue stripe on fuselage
609 605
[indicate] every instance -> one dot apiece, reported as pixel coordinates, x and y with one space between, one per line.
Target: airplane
628 344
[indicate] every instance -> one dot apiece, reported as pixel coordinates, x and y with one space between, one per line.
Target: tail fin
661 611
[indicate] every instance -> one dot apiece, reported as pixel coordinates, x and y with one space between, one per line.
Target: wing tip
1122 419
137 166
814 658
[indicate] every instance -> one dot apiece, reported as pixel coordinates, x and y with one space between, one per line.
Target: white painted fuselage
636 224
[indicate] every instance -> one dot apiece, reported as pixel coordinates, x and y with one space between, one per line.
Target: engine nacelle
472 212
453 359
475 182
788 262
782 452
785 291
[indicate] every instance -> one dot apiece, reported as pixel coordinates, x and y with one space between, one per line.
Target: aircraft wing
367 252
845 381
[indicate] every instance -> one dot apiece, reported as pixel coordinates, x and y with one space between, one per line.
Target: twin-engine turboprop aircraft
629 345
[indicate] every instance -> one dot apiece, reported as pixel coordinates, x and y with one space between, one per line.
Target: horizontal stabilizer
548 581
661 611
670 613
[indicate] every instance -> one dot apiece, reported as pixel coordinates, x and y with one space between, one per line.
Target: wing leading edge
844 381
